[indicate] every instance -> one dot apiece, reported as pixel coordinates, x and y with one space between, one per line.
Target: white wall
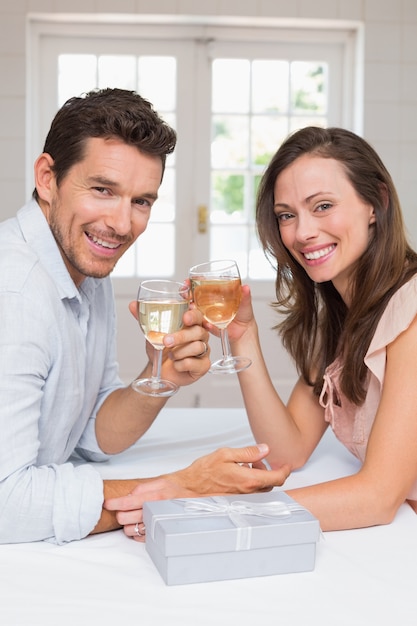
390 99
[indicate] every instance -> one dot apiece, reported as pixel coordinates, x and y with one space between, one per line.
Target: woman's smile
320 254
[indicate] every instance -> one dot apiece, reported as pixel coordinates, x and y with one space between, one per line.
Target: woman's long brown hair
317 325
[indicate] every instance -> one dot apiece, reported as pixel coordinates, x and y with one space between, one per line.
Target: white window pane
77 74
117 71
309 87
270 86
230 142
227 202
231 85
157 81
230 243
267 135
156 251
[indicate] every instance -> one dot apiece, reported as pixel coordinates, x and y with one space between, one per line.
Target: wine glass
161 306
216 290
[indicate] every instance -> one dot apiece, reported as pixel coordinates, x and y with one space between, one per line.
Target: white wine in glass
216 292
161 306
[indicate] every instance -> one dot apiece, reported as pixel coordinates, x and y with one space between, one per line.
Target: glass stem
156 368
224 336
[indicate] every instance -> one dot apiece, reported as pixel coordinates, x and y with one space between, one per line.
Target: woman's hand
243 319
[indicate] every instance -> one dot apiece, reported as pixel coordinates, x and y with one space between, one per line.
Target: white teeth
312 256
105 244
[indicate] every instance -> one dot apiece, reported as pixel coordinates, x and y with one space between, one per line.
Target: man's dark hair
106 113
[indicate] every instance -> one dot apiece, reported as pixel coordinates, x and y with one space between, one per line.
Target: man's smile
103 242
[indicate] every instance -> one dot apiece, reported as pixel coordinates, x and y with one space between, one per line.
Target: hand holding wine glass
216 290
161 306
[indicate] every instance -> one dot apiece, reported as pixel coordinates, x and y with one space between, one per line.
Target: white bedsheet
364 577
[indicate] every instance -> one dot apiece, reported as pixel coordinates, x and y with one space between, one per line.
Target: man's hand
187 354
227 470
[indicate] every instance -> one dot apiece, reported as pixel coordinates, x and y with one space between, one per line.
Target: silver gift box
223 537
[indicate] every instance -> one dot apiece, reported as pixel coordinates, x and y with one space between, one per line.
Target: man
95 183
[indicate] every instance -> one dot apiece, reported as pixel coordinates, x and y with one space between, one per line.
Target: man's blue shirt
57 366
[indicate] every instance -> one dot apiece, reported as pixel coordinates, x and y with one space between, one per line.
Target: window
240 91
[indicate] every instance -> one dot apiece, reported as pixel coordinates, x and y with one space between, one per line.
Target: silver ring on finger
138 531
204 352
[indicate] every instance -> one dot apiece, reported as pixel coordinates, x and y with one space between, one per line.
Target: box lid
228 523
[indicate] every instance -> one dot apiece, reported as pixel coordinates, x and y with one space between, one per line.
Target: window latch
202 218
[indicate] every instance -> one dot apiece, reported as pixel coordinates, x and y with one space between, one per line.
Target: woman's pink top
350 423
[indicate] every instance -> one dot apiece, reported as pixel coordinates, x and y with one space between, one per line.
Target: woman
328 213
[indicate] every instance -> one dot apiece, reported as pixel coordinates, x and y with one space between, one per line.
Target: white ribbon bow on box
242 507
236 511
